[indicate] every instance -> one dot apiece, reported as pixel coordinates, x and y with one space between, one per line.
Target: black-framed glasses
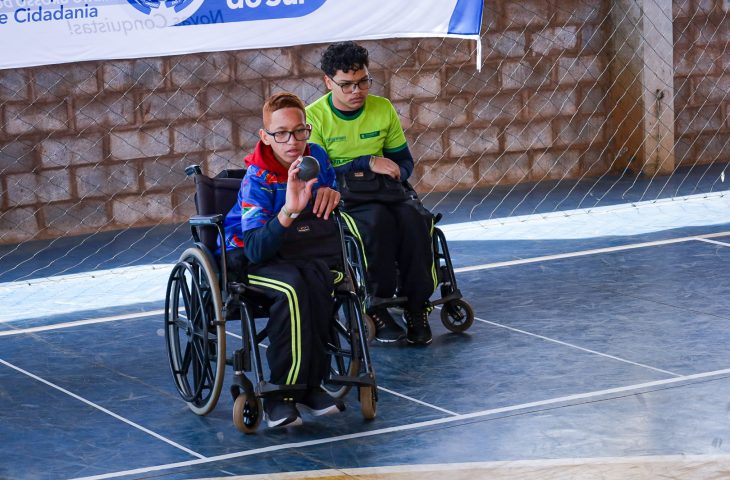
348 87
284 136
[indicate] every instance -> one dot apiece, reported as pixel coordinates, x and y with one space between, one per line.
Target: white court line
90 321
582 253
714 242
413 426
588 350
392 392
102 409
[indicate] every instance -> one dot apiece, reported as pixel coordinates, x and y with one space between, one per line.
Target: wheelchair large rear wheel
343 349
195 331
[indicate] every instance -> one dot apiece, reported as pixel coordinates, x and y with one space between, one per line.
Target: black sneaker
318 402
281 413
386 330
419 331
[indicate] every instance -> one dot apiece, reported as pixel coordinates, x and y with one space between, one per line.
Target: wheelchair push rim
343 350
195 331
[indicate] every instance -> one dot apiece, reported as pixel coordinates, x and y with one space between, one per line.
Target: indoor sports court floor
600 350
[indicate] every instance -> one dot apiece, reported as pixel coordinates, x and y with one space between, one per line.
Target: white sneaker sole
280 423
332 409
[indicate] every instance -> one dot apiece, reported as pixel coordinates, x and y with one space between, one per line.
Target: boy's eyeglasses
285 135
348 87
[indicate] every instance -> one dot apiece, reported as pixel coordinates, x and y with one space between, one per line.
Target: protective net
577 108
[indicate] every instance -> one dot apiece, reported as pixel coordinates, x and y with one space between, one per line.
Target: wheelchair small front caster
247 412
457 316
368 404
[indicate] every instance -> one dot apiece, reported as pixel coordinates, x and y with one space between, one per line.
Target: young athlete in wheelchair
402 257
282 257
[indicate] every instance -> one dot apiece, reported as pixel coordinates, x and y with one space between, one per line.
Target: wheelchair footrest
379 302
363 380
269 389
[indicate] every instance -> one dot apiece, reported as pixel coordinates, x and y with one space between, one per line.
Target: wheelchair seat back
216 195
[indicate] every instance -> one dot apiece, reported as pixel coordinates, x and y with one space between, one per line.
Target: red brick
440 113
712 90
172 106
386 54
551 103
407 84
404 114
580 69
66 151
472 141
17 157
681 8
141 210
694 62
711 148
506 44
266 63
106 180
472 82
123 76
236 98
308 89
149 142
443 176
59 81
427 146
527 74
579 12
593 40
579 131
438 52
555 165
14 84
218 161
199 136
105 111
165 174
597 161
40 187
521 137
504 169
200 70
17 225
684 151
35 118
75 217
530 13
593 100
553 40
498 109
491 16
698 120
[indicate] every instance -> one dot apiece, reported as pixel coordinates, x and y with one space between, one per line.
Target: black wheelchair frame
457 315
201 299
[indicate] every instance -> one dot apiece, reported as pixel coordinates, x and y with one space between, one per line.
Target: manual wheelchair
201 299
457 315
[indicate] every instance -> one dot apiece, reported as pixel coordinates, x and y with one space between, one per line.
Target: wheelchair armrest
199 220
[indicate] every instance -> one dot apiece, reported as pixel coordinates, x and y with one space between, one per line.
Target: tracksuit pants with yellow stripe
301 311
396 232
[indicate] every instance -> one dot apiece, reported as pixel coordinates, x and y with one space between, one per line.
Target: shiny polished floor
596 357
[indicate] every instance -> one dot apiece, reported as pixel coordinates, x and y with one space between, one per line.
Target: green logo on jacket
374 134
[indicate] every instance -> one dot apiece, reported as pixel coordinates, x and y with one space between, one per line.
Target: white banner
42 32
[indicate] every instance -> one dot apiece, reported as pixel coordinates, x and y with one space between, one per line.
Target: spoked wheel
368 403
247 412
457 316
343 349
195 331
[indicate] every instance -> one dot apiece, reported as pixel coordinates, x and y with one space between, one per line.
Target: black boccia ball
308 168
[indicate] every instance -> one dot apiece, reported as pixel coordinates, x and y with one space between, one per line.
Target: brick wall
702 80
102 145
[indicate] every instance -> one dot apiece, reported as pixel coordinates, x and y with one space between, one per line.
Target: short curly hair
345 56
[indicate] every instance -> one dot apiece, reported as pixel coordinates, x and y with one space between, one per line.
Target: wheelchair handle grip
199 220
